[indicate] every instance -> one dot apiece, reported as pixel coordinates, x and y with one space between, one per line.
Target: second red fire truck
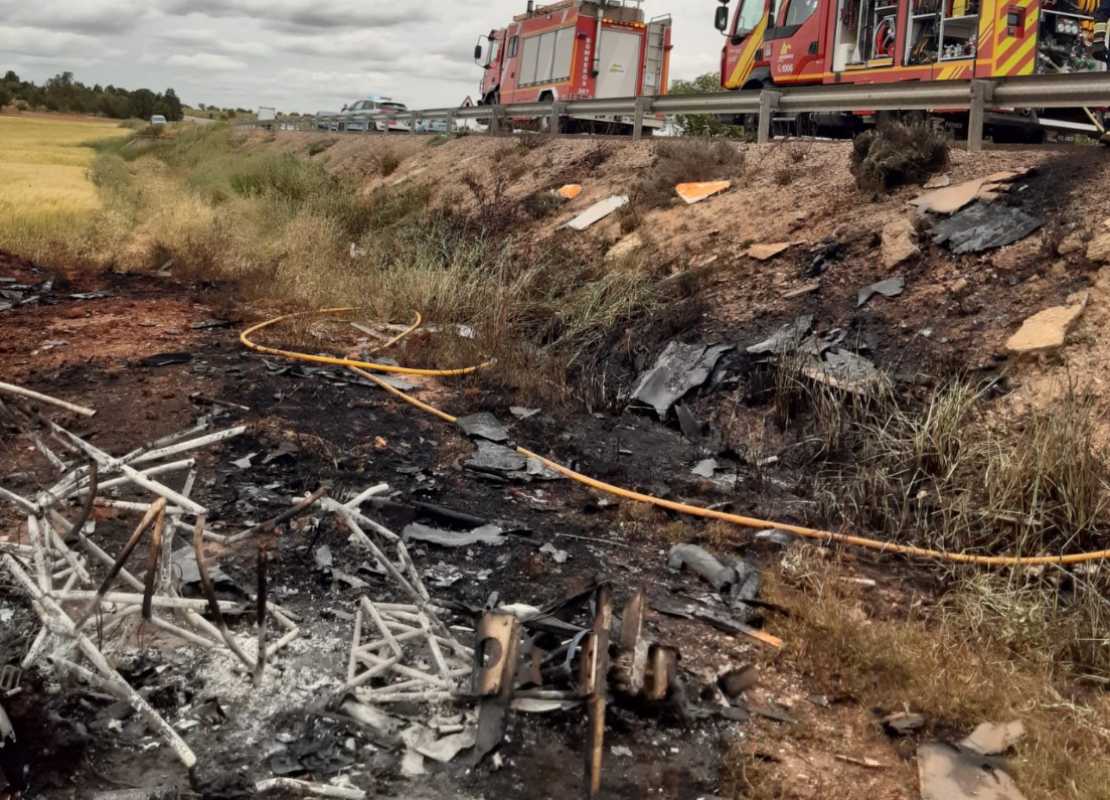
577 50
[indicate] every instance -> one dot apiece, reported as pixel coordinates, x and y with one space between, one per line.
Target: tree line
63 93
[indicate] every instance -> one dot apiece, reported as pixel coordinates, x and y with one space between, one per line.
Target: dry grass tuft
944 473
949 662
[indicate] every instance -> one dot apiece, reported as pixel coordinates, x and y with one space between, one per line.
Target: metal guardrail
1083 89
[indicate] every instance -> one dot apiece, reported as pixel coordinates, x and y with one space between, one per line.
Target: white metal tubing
71 559
282 642
128 598
191 444
201 426
131 505
9 388
108 462
19 500
50 611
316 789
39 558
328 504
380 488
150 472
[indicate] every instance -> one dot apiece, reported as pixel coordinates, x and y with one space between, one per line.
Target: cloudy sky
298 55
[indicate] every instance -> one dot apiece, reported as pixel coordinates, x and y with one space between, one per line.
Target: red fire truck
577 50
805 42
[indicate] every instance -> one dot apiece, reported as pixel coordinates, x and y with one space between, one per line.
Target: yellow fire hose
362 367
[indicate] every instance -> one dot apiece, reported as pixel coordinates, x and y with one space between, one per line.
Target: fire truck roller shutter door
547 57
530 60
620 63
564 47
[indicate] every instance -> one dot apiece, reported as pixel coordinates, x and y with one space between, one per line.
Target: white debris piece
598 211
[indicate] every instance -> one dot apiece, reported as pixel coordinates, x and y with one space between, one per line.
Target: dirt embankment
955 314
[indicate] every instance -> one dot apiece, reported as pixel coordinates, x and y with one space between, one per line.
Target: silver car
375 114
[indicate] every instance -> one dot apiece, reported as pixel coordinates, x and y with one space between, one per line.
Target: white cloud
307 13
303 55
81 16
29 41
211 41
206 61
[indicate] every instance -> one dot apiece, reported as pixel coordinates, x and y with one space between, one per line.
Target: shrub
541 204
897 153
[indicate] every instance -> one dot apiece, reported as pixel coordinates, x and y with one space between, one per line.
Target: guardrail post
554 125
498 120
768 104
643 105
982 92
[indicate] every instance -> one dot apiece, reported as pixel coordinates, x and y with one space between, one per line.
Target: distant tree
5 96
702 124
142 103
64 93
172 104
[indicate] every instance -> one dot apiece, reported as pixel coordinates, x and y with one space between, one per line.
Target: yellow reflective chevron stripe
748 54
1008 66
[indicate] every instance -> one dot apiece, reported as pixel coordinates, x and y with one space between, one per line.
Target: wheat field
43 163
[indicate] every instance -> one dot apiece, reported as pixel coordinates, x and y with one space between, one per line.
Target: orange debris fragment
696 192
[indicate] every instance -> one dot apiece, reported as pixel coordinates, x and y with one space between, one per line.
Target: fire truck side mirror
477 52
720 21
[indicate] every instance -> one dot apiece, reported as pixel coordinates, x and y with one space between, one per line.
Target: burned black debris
740 581
891 287
786 339
498 462
14 293
484 426
984 226
679 369
412 689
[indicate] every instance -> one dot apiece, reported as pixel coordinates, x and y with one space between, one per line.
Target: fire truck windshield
749 17
800 11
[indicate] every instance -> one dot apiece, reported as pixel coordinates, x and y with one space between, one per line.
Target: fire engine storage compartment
547 57
619 63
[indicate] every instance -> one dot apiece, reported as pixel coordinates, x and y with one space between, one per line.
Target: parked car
431 126
375 114
157 120
327 120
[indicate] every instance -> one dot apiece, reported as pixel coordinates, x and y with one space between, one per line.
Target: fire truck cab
576 50
805 42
